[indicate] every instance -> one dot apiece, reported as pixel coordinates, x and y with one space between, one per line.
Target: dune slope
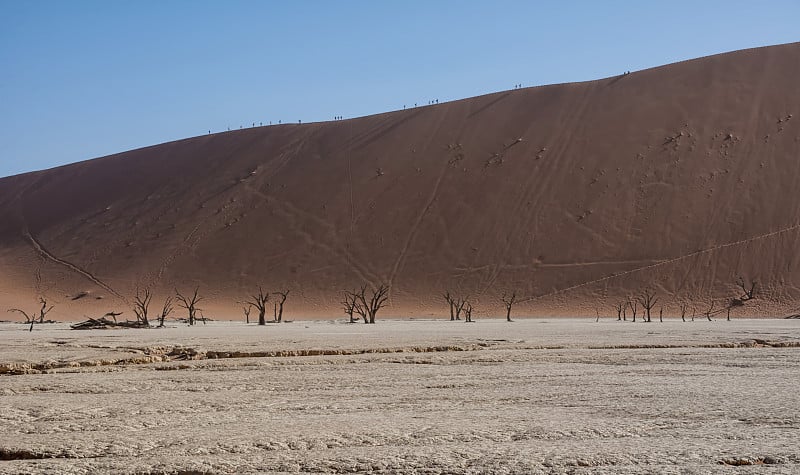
679 178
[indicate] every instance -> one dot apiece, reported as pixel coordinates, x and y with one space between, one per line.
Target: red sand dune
679 178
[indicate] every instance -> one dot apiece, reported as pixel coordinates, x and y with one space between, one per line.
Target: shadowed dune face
678 178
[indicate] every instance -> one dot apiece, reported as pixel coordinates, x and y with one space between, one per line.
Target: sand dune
679 178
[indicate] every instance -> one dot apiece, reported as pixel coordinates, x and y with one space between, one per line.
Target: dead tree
141 305
710 310
747 294
509 302
376 302
190 304
33 318
165 311
684 307
648 300
451 301
259 301
247 309
28 318
358 297
468 312
282 295
661 315
459 306
634 308
620 308
349 305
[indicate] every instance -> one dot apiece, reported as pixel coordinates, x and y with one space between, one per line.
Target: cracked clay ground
532 396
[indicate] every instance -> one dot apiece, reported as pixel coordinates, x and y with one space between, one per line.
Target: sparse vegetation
456 305
368 307
246 309
620 308
141 305
648 299
451 301
190 304
467 312
710 310
748 293
279 309
509 301
349 305
634 306
32 317
259 301
165 311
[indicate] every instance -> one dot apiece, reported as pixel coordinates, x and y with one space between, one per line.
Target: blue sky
83 79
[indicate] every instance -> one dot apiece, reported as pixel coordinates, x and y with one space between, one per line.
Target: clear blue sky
83 79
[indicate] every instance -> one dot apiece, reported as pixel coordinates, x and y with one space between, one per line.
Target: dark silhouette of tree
648 300
349 305
710 310
509 301
246 309
32 317
358 296
634 306
368 308
468 312
456 305
165 311
282 295
684 307
141 305
620 308
259 301
451 301
748 293
459 306
190 304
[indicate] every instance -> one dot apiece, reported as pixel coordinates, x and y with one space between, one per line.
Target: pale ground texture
532 396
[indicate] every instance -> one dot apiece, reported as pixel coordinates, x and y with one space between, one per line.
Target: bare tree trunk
283 296
509 302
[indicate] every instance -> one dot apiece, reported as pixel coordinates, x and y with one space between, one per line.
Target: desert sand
679 178
411 396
